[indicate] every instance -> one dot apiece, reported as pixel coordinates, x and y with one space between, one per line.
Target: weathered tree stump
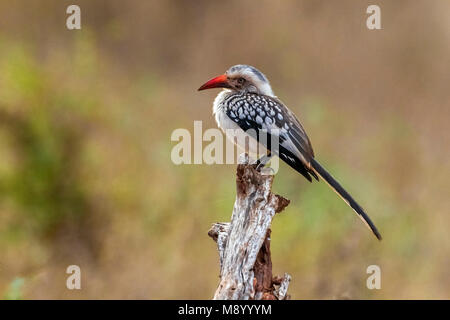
244 243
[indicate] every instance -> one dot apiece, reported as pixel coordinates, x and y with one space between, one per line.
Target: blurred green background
85 124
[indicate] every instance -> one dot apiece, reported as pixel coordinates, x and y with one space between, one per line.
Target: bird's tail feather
345 196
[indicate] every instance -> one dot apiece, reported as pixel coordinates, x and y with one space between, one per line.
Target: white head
241 78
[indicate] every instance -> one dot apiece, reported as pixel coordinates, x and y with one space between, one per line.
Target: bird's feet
261 162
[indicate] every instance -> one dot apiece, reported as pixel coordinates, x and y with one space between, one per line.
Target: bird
248 104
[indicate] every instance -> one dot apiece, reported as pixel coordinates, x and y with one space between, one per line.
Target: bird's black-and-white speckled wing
268 114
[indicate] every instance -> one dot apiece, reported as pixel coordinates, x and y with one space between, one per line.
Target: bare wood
244 243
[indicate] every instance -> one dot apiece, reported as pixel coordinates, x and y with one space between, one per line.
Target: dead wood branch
244 243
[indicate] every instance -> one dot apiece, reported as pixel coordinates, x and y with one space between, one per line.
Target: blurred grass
14 292
85 124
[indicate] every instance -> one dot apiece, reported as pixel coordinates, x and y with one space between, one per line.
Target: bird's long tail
345 196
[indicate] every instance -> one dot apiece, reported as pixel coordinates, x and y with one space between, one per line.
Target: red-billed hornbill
248 103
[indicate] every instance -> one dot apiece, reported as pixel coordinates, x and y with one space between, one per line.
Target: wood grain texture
244 243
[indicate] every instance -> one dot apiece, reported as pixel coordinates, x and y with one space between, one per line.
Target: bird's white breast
223 121
232 131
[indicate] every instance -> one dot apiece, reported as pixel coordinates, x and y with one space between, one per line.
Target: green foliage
43 184
14 291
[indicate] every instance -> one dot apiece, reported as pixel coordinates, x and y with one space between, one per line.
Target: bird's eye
241 80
